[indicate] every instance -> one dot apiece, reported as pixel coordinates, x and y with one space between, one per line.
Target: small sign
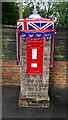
34 53
34 65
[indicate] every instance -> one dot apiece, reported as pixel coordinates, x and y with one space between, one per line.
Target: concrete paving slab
58 108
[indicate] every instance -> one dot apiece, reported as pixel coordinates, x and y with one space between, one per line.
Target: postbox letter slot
29 46
35 43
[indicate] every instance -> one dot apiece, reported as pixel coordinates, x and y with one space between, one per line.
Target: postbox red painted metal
34 55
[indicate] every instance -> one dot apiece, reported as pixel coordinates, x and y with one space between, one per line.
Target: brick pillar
34 88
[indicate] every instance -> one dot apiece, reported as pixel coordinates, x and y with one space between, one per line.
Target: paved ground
10 109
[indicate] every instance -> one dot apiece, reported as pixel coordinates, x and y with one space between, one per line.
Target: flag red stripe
46 26
25 20
18 24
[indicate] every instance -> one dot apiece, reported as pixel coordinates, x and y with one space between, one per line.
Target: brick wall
58 74
11 76
10 72
34 87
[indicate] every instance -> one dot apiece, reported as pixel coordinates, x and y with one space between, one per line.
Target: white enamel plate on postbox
34 65
34 53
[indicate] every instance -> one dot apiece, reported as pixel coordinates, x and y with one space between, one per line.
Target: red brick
10 72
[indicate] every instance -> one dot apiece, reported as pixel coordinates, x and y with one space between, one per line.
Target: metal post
20 9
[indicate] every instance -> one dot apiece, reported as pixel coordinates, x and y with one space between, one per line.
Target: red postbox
34 55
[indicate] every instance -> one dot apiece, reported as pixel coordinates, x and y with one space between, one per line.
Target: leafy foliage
27 10
60 12
57 11
9 13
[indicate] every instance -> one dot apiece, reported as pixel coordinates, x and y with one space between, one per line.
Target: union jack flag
32 24
39 25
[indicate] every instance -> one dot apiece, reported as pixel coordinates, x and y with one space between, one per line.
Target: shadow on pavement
10 109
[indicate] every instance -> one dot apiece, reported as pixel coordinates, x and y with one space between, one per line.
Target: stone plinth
34 88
